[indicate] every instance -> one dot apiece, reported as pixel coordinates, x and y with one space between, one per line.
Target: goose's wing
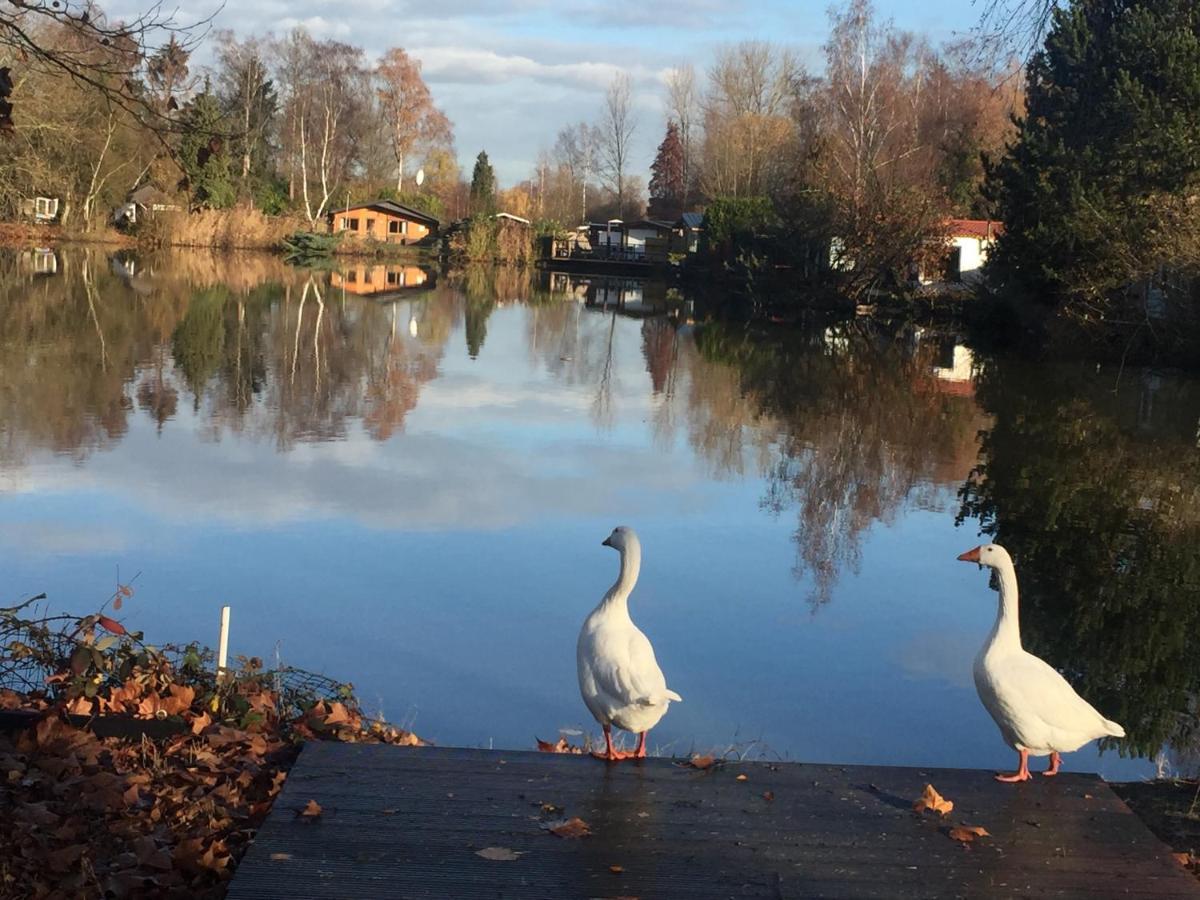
1035 687
629 672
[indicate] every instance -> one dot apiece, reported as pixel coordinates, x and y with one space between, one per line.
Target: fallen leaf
390 811
1184 859
500 854
968 833
768 796
312 809
200 722
742 777
932 800
338 714
616 870
701 762
559 746
280 856
570 828
80 706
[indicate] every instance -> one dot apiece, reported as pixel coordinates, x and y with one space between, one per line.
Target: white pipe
223 646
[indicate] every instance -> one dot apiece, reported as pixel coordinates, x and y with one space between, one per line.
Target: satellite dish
420 177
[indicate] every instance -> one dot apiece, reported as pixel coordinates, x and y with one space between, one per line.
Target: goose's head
623 538
991 555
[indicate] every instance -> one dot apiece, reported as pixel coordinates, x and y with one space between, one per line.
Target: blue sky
510 73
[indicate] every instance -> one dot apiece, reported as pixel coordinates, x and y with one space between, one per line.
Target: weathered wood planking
401 822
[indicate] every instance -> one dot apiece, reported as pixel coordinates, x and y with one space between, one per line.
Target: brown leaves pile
125 818
933 801
574 827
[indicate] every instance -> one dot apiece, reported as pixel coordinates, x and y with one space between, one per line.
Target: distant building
688 230
509 217
379 281
42 210
969 242
383 220
145 202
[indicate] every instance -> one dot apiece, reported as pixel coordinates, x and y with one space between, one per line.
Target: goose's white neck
631 565
1006 633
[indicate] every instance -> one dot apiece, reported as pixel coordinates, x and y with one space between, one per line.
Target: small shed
42 210
383 220
145 202
509 217
648 239
688 230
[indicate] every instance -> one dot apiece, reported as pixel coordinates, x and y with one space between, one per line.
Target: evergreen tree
203 153
483 186
667 180
1097 189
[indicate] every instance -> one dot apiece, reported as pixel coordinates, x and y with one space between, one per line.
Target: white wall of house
972 255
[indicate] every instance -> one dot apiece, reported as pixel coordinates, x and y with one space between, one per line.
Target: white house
969 242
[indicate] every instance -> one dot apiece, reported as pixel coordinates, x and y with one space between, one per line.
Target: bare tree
247 93
406 103
683 105
576 150
79 41
616 128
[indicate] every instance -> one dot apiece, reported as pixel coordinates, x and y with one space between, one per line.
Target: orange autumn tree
411 116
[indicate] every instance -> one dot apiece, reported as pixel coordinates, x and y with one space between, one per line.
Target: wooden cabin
383 220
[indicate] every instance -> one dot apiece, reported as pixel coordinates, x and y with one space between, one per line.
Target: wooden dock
401 822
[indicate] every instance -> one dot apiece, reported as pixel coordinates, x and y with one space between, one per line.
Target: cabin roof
657 224
691 219
985 229
388 206
511 217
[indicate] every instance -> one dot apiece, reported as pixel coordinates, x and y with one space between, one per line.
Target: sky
511 73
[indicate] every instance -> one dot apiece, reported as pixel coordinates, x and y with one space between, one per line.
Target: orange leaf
1184 859
934 801
701 762
500 854
280 856
616 870
338 714
117 602
768 796
570 828
312 809
200 722
80 706
742 777
111 625
559 746
968 833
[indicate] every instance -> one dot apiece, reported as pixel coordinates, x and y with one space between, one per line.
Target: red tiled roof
976 228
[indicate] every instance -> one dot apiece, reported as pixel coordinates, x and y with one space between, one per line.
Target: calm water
403 480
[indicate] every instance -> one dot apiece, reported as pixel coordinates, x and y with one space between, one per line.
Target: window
370 225
353 224
352 277
393 227
393 277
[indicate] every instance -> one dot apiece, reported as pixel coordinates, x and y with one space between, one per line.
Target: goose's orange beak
969 556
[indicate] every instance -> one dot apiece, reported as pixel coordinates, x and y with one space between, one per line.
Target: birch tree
617 126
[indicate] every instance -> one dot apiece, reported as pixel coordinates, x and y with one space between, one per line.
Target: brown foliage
239 228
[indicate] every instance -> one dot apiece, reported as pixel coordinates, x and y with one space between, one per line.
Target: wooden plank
407 822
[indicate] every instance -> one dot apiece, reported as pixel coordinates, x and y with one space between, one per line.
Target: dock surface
409 822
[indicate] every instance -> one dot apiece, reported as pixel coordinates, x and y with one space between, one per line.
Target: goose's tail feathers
671 695
1113 729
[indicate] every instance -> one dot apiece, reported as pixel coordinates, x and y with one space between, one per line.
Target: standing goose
1037 711
619 677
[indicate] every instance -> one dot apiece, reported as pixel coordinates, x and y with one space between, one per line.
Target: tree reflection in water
1092 481
849 424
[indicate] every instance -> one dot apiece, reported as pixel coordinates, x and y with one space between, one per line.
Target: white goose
619 677
1037 711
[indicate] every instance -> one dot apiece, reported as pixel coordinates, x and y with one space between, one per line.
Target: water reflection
1092 480
246 393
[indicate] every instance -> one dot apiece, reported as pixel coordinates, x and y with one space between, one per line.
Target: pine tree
483 186
1097 189
203 153
667 182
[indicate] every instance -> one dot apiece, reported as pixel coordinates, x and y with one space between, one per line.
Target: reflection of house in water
634 297
954 367
38 261
385 283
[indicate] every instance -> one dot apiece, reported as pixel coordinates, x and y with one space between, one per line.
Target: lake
402 478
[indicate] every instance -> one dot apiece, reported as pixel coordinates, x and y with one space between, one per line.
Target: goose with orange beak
1037 711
